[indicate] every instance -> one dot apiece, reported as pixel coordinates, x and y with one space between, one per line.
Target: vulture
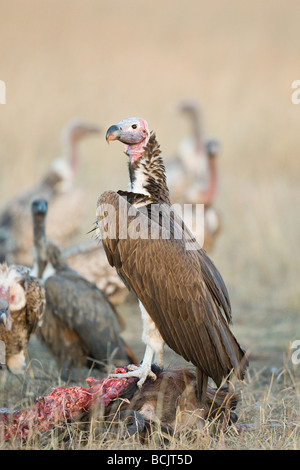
89 260
22 305
182 296
80 325
192 175
65 201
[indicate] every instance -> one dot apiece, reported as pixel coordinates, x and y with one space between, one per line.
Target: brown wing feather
82 307
35 303
182 291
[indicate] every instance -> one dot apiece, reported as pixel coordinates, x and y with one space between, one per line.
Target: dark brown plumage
25 298
184 300
80 324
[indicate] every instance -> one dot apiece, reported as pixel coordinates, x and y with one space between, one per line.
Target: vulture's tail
229 357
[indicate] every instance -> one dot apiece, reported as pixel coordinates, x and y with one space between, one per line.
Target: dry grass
268 407
108 60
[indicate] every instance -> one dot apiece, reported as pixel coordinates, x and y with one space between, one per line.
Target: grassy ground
105 61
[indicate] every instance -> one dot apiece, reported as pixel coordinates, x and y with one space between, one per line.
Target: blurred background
103 61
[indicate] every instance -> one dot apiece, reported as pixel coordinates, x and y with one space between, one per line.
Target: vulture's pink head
133 132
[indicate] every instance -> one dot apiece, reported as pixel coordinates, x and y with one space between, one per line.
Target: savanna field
104 61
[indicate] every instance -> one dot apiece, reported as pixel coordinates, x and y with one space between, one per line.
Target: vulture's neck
147 173
48 185
71 152
40 245
197 131
209 194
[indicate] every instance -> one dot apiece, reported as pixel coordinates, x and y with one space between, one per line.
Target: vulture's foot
142 372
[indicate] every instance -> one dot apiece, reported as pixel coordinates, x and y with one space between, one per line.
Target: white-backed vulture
192 174
80 325
65 202
183 299
89 260
23 298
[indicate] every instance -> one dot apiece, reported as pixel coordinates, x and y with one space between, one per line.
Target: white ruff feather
140 180
62 167
11 274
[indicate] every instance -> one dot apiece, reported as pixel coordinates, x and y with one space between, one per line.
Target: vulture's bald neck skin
147 170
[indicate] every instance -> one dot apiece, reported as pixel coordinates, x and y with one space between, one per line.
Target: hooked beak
39 206
5 318
113 133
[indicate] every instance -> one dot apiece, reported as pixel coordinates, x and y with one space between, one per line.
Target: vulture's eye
134 126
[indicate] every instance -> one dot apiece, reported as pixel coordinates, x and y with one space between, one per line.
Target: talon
152 375
140 372
144 377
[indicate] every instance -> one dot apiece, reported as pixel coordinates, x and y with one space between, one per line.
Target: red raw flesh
61 405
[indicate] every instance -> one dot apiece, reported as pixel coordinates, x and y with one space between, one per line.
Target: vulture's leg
154 345
159 357
151 336
142 371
